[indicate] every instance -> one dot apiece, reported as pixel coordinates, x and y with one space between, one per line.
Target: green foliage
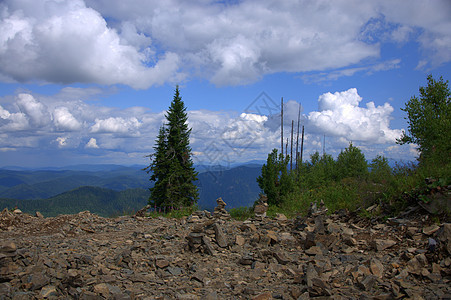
241 213
429 122
296 203
172 166
380 171
175 213
351 163
339 195
319 172
275 181
340 184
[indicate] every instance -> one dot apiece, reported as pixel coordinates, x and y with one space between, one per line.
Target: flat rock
281 257
280 217
48 291
430 230
377 268
221 239
367 282
161 262
8 247
381 244
416 264
208 247
240 240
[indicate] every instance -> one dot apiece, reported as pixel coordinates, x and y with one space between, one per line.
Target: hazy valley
113 190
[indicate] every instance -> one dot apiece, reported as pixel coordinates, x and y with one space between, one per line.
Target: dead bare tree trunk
281 126
302 143
286 149
297 138
291 149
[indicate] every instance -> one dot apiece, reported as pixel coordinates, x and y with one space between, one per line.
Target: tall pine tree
172 166
159 169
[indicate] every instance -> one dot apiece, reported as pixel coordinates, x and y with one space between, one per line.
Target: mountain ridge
237 186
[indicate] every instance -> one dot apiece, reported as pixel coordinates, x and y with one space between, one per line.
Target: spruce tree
159 170
172 166
275 181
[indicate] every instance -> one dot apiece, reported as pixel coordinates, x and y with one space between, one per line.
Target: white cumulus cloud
116 125
67 42
12 121
92 143
146 43
35 111
64 120
340 115
62 141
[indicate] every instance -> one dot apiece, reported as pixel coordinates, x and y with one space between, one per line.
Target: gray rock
7 247
48 291
381 244
367 283
310 274
281 257
208 247
38 280
444 236
377 268
176 271
221 239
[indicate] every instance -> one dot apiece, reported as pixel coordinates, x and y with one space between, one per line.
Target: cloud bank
147 43
84 131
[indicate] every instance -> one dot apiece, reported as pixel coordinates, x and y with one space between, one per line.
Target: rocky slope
338 256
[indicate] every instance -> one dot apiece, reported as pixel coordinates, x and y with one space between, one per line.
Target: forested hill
113 191
104 202
41 184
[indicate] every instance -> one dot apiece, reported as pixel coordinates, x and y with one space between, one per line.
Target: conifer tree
275 181
172 166
159 170
351 163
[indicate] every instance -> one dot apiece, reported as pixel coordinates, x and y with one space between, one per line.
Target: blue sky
89 81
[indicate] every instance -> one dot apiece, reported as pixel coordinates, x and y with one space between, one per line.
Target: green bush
242 213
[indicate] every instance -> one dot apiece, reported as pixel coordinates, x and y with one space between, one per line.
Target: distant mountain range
113 189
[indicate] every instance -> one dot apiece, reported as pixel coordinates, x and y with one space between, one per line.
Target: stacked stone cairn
142 212
261 208
220 212
207 229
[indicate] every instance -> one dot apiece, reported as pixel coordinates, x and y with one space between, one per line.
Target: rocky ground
338 256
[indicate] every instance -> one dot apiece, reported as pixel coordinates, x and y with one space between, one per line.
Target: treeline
347 182
101 201
350 182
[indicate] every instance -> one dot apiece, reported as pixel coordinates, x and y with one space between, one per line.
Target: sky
88 82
